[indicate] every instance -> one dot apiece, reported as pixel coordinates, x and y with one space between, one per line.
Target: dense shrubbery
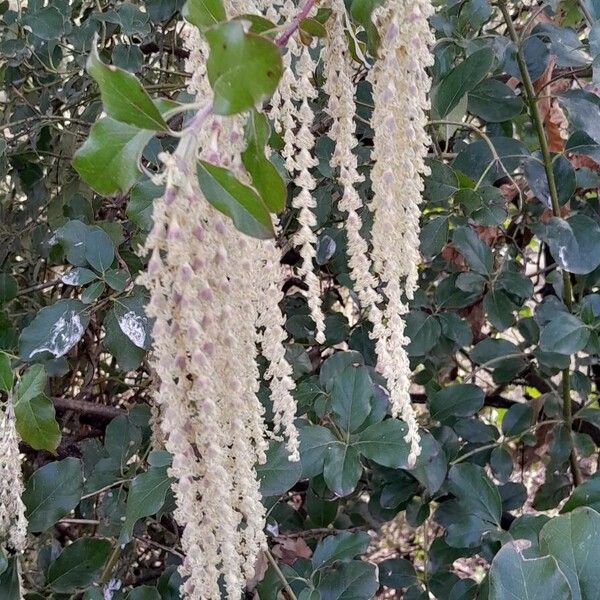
504 327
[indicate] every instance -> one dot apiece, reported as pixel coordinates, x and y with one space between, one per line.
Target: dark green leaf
34 413
99 251
278 474
384 443
513 576
315 442
355 580
52 492
572 540
460 80
8 288
341 468
351 397
476 252
146 497
343 546
236 200
565 334
79 564
456 400
575 243
494 101
55 330
265 177
6 376
123 96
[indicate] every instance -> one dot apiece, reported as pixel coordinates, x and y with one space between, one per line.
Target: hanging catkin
400 98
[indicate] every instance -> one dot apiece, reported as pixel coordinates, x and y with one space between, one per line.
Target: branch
90 408
552 188
283 39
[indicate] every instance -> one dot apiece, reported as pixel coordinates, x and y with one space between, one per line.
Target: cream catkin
215 293
294 117
13 524
215 301
400 98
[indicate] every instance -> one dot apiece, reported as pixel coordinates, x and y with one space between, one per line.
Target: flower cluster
400 98
215 293
215 297
13 524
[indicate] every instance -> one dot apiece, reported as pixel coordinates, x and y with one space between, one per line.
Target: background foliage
504 329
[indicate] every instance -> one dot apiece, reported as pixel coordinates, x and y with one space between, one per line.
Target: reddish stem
283 39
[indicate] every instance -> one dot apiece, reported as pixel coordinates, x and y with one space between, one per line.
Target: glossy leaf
243 68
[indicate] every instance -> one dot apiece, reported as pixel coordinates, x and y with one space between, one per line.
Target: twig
283 39
90 408
280 575
548 167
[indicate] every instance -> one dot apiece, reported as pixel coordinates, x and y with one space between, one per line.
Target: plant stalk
547 160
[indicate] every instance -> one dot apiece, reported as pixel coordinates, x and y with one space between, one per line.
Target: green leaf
243 68
477 494
9 288
108 160
204 14
434 236
144 592
513 576
564 334
99 251
384 443
79 564
574 243
355 580
10 587
342 469
460 80
92 292
343 546
351 397
494 101
55 330
277 475
129 356
52 492
34 413
587 494
476 252
423 330
6 375
265 177
572 540
141 202
146 497
362 11
397 573
456 400
123 96
315 442
236 200
131 316
564 176
78 276
499 309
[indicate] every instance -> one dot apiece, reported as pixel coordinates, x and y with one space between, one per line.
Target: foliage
504 328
